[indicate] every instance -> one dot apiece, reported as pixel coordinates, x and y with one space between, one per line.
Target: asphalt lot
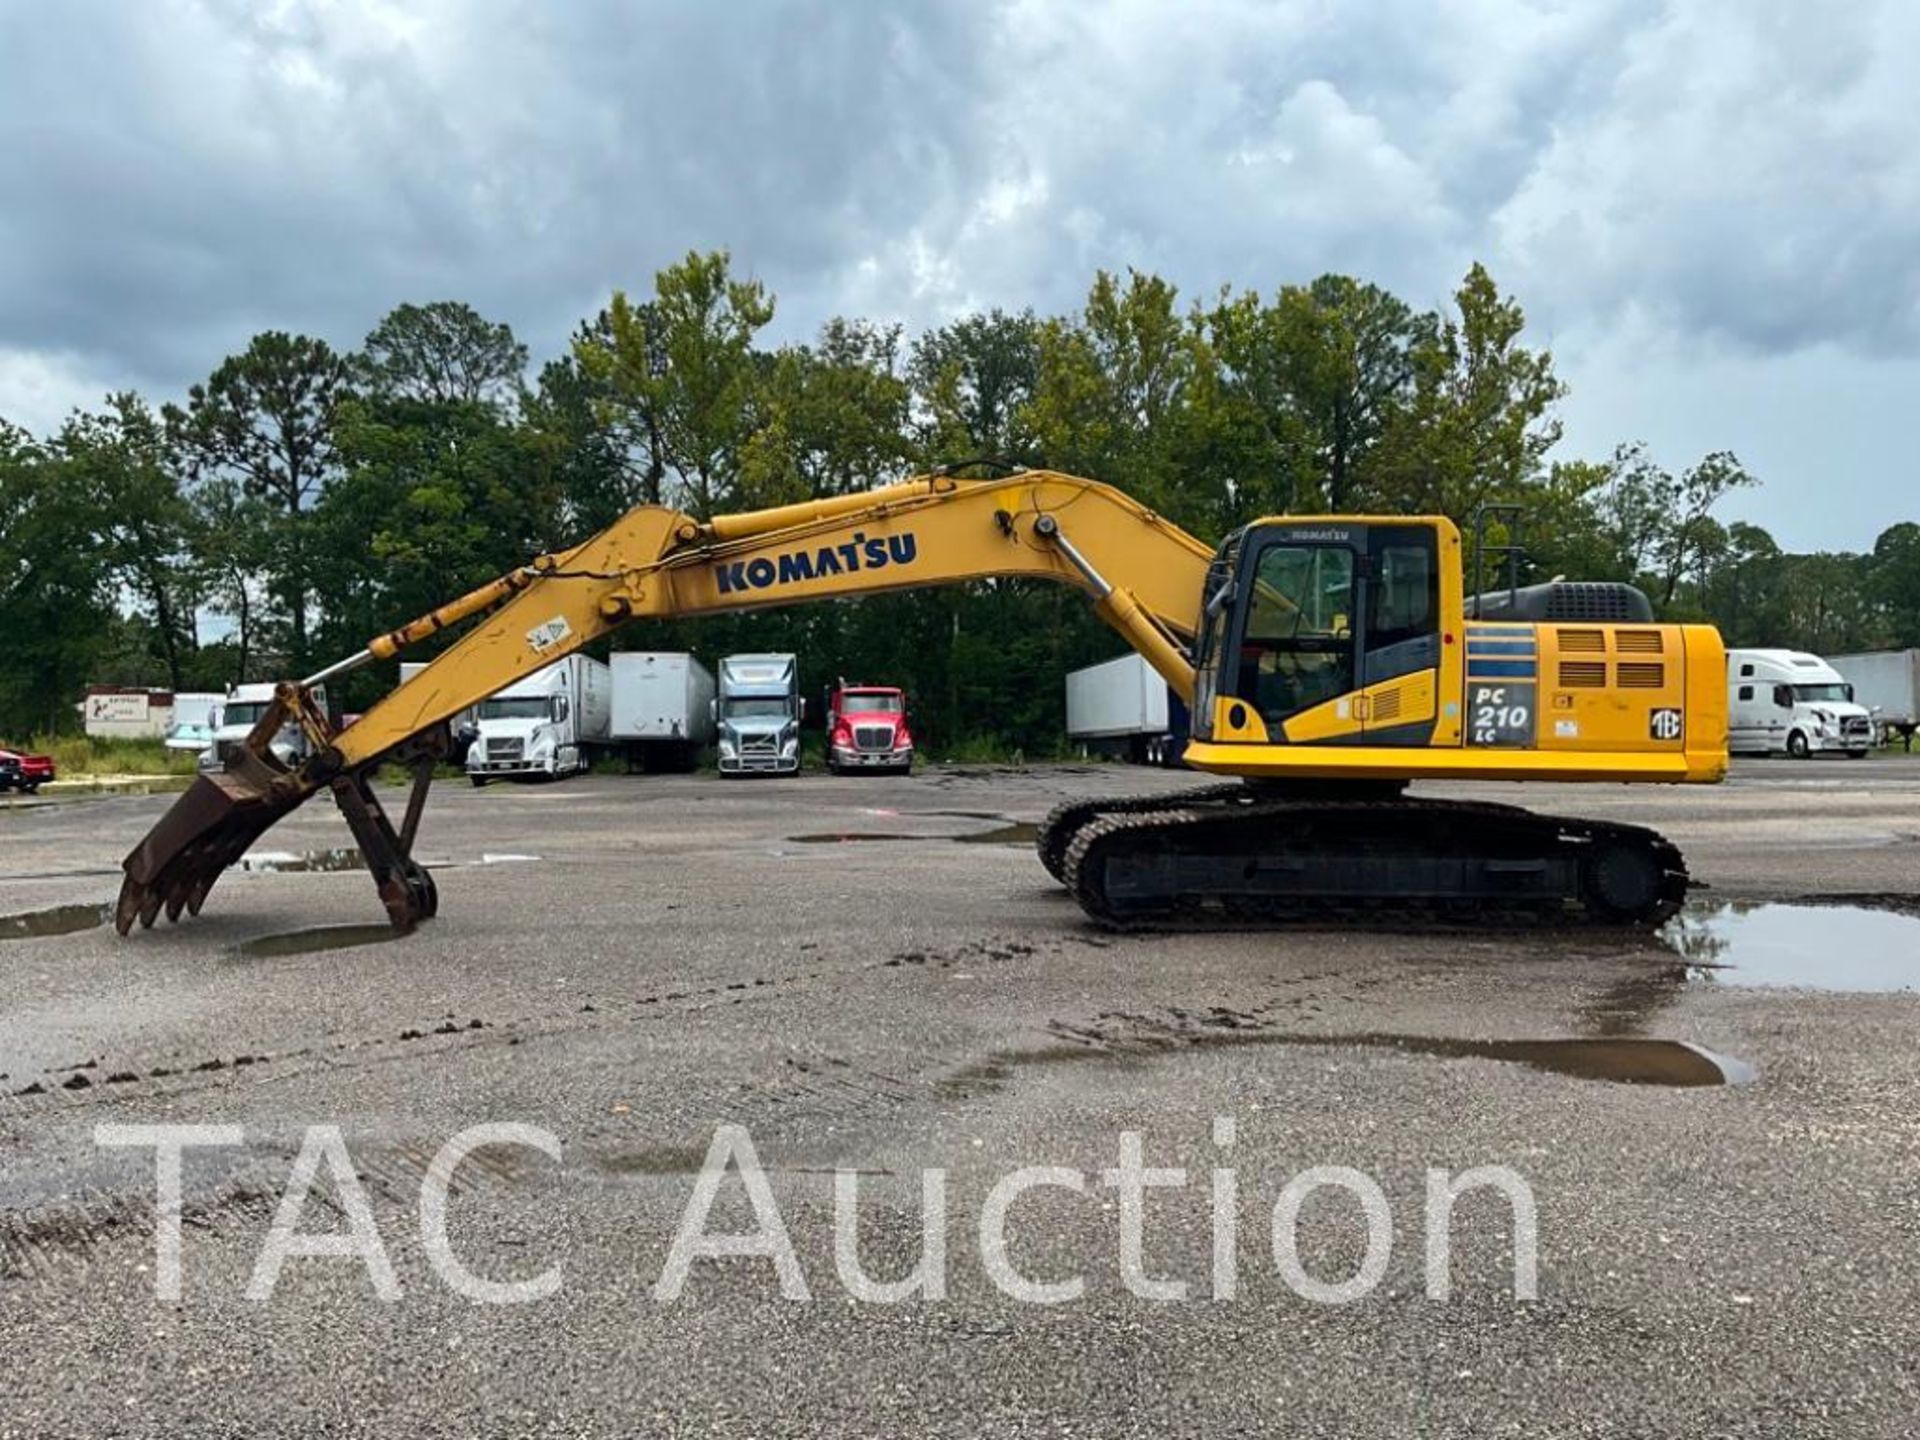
630 964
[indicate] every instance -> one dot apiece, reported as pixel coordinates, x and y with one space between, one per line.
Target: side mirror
803 709
713 711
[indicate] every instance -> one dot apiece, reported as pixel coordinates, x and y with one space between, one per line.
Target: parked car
24 772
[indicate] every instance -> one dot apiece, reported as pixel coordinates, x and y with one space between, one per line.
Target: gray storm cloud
1687 190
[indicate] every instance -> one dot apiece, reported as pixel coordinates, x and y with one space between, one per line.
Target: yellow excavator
1326 661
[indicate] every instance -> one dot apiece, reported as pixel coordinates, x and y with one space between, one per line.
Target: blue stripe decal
1500 647
1501 670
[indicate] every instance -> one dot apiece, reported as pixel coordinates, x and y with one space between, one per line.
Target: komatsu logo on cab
855 555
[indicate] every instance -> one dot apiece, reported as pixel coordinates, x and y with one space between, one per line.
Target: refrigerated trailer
1123 708
662 709
1887 682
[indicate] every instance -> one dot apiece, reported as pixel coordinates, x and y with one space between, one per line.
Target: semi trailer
1887 682
662 709
1124 708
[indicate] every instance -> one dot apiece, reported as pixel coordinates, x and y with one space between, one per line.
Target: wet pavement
1717 1126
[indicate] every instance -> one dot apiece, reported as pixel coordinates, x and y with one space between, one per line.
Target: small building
126 712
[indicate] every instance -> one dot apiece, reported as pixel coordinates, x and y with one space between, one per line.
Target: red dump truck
867 730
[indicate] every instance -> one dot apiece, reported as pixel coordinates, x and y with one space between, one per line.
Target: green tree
1662 523
56 584
265 417
1112 393
829 418
1478 420
233 536
973 380
685 364
444 353
127 461
1895 583
1310 384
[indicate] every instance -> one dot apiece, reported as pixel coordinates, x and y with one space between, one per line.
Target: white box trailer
1123 707
1887 682
196 715
662 708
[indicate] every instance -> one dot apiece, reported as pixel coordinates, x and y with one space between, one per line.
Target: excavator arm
1145 575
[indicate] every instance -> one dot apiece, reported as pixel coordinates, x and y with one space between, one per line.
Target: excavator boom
656 562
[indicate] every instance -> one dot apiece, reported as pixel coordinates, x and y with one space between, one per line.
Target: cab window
1297 647
1403 595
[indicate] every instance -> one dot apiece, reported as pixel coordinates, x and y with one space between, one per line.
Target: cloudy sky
1709 208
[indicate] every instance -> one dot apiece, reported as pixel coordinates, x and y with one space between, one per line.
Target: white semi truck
544 725
1787 702
758 713
240 711
662 708
1887 682
1124 708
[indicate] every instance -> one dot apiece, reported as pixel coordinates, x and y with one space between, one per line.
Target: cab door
1400 642
1297 655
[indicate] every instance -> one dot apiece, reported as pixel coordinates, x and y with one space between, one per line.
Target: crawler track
1251 863
1063 822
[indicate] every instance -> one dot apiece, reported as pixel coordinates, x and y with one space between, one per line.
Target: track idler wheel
1623 883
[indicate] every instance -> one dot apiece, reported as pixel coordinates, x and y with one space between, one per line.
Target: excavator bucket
215 822
209 828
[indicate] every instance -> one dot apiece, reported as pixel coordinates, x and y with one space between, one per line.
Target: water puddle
60 920
858 837
324 937
1815 947
285 862
1015 834
1621 1060
1022 833
1625 1060
665 1160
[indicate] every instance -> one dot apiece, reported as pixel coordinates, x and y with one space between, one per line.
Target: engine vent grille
1583 674
1387 706
1640 675
873 737
1639 642
1584 642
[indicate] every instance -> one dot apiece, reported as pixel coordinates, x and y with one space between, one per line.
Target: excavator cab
1327 632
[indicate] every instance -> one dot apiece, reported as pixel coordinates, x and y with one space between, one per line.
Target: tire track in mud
89 1083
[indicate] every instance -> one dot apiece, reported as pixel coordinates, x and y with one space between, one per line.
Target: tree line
299 499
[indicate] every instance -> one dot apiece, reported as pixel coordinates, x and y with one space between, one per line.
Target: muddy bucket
209 827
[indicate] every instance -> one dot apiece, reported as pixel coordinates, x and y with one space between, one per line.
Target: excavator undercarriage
1246 856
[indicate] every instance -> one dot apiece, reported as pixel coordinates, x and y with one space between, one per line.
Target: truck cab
867 730
240 712
757 714
543 725
1786 702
